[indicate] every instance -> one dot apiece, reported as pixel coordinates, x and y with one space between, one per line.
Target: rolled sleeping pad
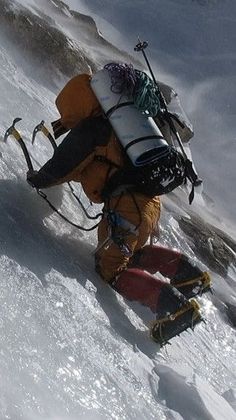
138 134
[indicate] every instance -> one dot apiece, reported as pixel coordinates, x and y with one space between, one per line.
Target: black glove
30 177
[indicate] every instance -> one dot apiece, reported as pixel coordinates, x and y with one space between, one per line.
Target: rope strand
136 84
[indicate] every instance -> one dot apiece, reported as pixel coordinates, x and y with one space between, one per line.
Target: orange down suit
136 208
90 157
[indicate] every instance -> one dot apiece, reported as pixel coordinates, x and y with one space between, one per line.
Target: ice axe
41 127
12 131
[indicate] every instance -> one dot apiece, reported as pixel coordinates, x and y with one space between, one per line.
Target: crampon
163 329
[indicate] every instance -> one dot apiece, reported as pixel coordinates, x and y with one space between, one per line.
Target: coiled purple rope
123 78
135 84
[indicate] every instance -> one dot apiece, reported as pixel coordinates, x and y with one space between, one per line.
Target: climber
92 155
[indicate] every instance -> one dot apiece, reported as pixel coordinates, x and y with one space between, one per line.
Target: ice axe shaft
12 131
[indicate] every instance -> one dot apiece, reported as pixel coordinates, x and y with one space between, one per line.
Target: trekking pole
189 164
141 47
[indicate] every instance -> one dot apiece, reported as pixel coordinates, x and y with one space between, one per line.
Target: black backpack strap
113 181
192 176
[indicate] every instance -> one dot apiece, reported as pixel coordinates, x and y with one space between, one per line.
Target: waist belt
118 229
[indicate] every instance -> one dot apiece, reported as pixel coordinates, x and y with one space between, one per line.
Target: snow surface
70 348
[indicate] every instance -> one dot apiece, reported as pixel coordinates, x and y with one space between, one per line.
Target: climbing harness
118 229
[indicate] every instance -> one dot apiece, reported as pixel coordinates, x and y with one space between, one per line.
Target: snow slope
70 348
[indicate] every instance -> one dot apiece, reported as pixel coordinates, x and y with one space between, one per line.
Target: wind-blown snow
192 47
70 348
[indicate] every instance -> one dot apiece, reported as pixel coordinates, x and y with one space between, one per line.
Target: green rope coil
146 95
137 85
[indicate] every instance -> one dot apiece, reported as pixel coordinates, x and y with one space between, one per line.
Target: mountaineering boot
174 312
189 279
183 274
175 315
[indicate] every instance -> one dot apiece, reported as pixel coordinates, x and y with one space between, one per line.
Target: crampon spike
162 330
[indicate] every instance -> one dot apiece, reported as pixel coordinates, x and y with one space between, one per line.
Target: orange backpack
76 101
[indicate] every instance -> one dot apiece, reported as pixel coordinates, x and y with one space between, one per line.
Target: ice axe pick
12 131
